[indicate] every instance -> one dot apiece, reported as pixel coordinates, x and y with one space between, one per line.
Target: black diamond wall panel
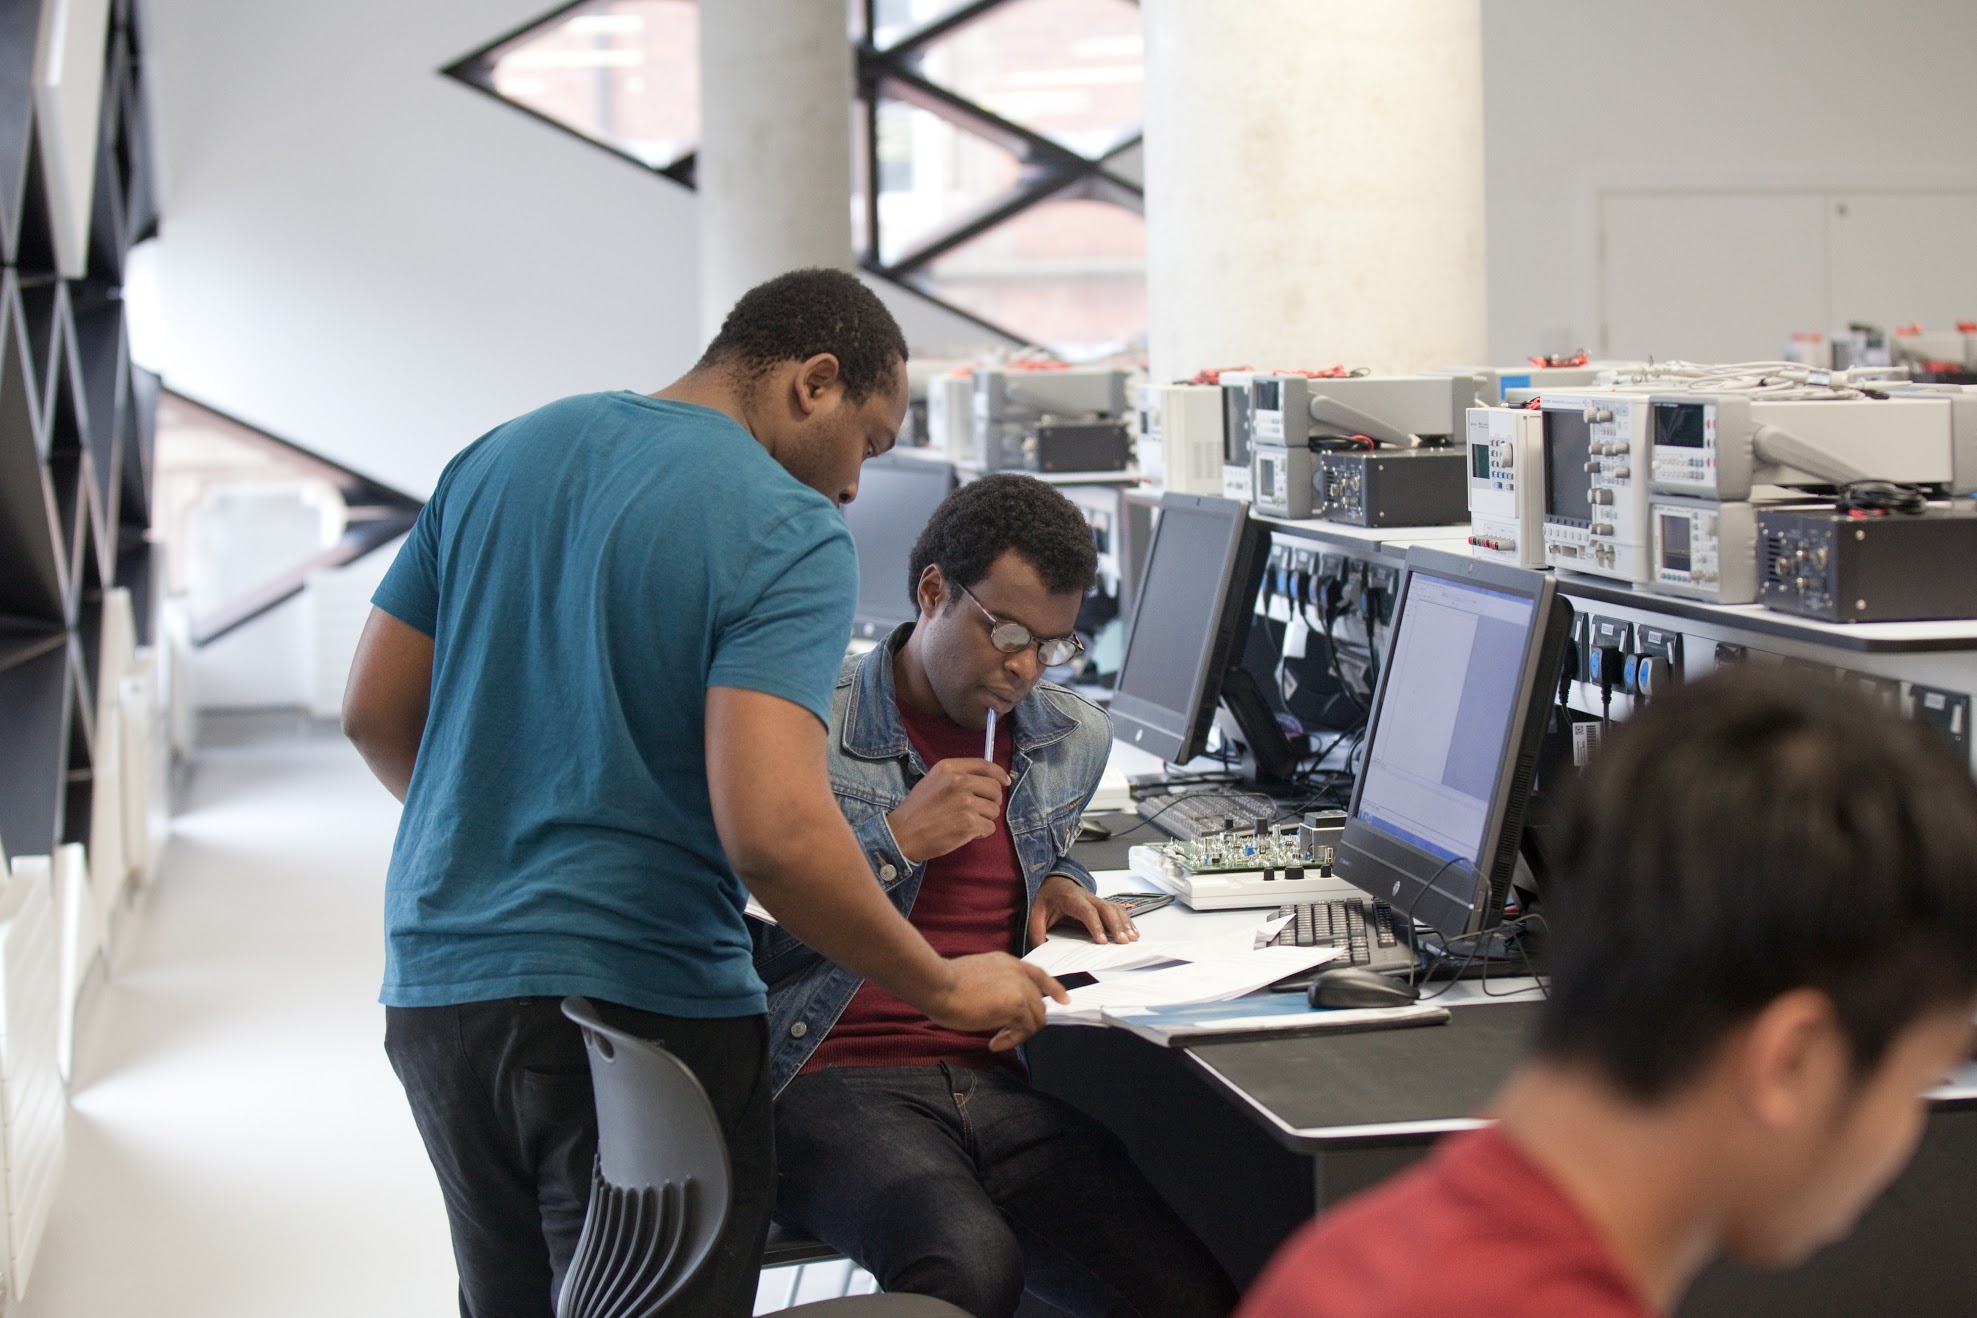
76 440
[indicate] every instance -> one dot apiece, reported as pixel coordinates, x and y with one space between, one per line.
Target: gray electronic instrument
1295 418
1595 495
1506 485
1009 403
1720 445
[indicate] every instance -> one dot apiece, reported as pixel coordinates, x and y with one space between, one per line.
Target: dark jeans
501 1095
972 1186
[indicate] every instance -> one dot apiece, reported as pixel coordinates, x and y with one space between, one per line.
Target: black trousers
973 1187
501 1094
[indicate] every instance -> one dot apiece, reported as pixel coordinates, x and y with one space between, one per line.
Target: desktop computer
1438 812
1438 817
896 496
1183 667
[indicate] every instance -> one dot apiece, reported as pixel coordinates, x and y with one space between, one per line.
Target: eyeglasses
1013 637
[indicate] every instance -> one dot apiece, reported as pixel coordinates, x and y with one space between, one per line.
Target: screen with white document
1453 738
1456 664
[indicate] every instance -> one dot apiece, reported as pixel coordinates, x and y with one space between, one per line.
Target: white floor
238 1146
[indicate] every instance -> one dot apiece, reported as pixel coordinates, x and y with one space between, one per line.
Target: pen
988 741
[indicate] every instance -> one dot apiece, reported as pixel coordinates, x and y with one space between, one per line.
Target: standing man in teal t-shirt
598 675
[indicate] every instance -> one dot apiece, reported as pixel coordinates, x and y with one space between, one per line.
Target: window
624 74
997 154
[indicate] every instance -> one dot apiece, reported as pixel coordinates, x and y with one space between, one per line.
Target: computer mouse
1356 986
1092 831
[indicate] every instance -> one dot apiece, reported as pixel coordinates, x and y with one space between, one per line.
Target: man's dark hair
983 519
794 317
1752 833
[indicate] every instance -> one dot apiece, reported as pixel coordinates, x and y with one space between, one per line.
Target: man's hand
1061 899
993 989
957 802
782 831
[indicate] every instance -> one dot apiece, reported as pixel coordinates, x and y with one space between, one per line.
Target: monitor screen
1191 621
1235 424
1674 538
1136 518
896 496
1180 600
1568 449
1681 425
1459 653
1453 738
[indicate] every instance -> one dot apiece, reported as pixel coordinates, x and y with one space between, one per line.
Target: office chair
661 1189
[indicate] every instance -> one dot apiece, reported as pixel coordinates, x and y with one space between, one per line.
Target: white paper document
1158 972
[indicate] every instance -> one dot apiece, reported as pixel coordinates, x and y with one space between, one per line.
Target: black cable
1417 968
1179 797
1338 673
1372 657
1509 933
1879 498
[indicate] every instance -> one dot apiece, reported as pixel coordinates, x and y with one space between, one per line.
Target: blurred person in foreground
1765 952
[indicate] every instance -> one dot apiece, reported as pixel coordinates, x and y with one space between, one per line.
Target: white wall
264 665
379 263
297 655
1811 98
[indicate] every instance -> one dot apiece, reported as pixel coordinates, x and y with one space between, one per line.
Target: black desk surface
1352 1090
1110 854
1378 1087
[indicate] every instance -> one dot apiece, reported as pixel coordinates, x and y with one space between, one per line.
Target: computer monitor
896 496
1453 739
1137 513
1184 649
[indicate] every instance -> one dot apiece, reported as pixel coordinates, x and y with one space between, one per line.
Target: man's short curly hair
983 519
795 316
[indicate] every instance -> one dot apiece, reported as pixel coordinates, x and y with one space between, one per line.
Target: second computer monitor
1452 742
1184 648
896 496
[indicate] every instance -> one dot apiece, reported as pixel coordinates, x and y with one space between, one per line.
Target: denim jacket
1061 744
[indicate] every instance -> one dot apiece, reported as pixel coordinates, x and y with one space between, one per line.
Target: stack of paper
1163 972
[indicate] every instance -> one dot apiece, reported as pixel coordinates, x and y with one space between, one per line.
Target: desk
1248 1139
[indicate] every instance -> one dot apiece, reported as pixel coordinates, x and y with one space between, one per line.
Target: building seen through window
1003 140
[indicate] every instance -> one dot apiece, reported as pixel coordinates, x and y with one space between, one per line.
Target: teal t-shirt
586 573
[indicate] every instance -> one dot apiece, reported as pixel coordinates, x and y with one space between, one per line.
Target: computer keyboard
1363 929
1191 815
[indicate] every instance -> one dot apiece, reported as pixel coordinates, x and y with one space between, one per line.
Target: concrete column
1314 184
774 164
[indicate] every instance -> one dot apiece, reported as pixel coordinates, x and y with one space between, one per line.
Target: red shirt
970 900
1479 1230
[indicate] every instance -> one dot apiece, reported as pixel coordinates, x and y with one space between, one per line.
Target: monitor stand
1245 718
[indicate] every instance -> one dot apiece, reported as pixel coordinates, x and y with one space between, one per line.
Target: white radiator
80 935
32 1103
109 778
146 768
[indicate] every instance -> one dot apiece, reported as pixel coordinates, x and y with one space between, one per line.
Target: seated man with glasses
920 1152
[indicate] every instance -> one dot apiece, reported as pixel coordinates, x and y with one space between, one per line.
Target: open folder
1274 1014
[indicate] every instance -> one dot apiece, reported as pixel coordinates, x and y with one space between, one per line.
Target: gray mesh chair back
660 1190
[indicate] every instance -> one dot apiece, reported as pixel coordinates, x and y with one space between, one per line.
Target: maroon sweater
970 900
